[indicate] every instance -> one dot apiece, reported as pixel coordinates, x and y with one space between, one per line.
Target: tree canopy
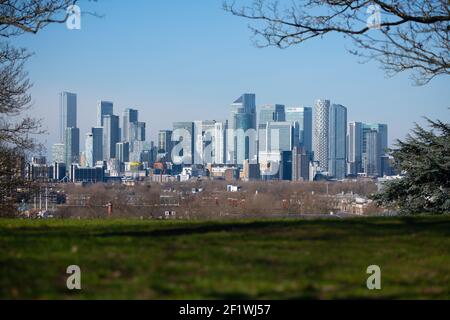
424 160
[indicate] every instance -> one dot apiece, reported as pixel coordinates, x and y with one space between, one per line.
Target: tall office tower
72 146
337 146
372 153
58 153
275 138
219 143
382 129
272 113
104 108
354 148
204 132
183 142
89 149
130 116
320 133
300 165
241 137
110 136
123 152
382 144
165 141
140 131
302 115
67 113
97 145
94 146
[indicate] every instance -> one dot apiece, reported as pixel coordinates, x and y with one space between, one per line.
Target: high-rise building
94 146
110 136
97 145
300 165
354 148
272 113
67 113
302 115
382 129
140 131
359 158
219 143
320 133
337 136
89 149
165 141
58 153
275 139
72 146
241 136
372 153
104 108
123 151
130 117
205 142
183 142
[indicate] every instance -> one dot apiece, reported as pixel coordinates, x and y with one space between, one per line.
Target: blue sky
179 60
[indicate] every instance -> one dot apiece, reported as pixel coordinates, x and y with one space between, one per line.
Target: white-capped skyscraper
320 133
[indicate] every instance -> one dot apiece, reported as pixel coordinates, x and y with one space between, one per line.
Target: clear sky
178 60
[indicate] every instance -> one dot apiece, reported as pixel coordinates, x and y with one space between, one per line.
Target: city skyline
274 143
189 70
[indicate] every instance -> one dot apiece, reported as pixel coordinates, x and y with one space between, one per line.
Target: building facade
320 133
67 113
337 137
104 108
304 117
110 136
241 135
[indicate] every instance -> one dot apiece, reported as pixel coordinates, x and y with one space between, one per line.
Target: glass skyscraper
366 145
242 130
272 113
337 136
183 132
302 115
129 118
89 149
72 146
103 108
67 113
123 151
354 148
110 136
165 141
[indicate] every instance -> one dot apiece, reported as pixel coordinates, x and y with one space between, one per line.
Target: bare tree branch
411 35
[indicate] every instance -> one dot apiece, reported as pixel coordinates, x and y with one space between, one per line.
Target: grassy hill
273 259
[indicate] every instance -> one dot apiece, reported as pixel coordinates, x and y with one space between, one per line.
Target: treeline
207 199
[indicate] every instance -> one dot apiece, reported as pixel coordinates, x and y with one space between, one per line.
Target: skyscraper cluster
106 142
276 143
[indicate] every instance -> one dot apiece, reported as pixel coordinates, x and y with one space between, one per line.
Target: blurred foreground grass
254 259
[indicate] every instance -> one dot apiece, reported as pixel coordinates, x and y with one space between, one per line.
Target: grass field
273 259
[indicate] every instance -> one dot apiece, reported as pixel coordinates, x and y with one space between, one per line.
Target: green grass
273 259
